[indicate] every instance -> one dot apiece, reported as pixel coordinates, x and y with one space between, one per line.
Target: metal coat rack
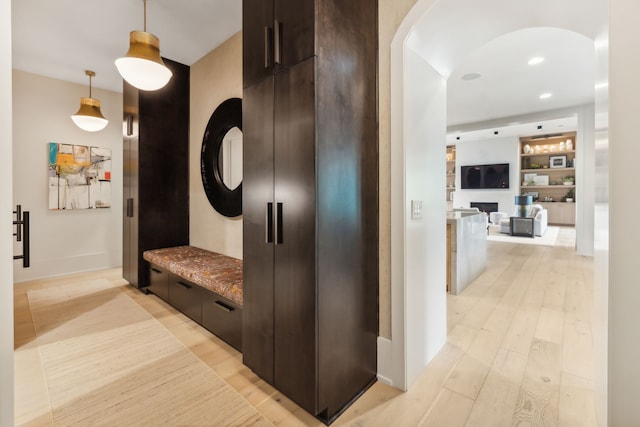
22 234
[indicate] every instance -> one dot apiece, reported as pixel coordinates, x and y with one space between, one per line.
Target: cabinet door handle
278 223
130 208
268 46
155 270
277 41
129 125
268 226
184 285
224 307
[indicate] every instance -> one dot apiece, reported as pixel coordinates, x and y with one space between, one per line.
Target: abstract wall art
79 177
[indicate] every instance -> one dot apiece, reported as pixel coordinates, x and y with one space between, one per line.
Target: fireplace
486 207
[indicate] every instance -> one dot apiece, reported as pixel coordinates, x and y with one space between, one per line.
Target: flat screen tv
484 176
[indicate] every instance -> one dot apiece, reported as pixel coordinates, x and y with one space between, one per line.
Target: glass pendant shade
89 117
142 66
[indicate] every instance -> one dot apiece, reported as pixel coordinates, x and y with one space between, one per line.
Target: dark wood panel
222 317
297 31
159 282
258 258
163 146
295 291
347 201
186 297
257 63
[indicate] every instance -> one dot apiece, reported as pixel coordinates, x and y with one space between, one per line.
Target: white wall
63 242
214 78
624 205
6 255
419 311
498 150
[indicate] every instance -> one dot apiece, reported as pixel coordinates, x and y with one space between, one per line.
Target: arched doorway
432 39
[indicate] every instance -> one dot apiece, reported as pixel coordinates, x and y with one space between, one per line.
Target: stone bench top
216 272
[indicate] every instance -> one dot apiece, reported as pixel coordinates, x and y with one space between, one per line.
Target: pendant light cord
145 16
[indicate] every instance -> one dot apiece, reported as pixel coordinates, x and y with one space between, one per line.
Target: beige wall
63 242
214 78
391 13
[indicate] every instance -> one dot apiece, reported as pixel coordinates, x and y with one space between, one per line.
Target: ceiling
62 38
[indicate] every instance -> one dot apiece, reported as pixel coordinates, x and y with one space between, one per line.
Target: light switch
416 209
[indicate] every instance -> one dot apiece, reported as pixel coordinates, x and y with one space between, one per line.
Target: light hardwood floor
519 352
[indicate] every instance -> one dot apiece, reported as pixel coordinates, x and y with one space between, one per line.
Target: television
484 176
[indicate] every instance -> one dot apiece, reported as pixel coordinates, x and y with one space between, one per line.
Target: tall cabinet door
277 34
294 32
258 228
257 41
295 292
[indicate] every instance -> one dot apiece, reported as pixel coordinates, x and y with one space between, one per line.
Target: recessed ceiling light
471 76
545 95
536 60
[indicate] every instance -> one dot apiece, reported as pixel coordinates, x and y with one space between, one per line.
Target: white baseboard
385 361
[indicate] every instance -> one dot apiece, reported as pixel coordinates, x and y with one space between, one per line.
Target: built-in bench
204 285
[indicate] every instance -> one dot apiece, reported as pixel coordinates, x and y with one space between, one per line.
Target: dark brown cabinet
159 282
186 297
310 269
156 171
276 35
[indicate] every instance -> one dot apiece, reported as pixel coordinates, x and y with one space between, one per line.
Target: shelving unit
550 159
451 174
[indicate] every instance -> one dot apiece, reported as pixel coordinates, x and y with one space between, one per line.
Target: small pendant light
142 66
89 117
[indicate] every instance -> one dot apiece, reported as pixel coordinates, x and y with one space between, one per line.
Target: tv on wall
484 176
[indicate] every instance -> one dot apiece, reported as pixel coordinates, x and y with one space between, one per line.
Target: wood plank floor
519 352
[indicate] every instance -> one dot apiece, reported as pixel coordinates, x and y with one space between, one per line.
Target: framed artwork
79 177
557 161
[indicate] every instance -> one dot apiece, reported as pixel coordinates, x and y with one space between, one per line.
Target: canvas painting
79 177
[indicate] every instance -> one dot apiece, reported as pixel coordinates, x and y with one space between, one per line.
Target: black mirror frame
227 116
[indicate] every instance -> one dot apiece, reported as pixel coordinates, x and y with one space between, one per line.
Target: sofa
539 215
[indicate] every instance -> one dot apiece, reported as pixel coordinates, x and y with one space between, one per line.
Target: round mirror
221 158
230 158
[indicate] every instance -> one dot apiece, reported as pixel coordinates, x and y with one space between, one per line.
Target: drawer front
222 317
158 282
186 297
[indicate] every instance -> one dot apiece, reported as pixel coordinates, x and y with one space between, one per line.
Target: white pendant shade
90 124
142 66
143 73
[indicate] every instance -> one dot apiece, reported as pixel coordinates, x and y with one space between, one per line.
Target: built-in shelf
451 172
547 170
524 188
547 154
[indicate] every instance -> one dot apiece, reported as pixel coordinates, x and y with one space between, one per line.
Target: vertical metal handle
129 125
26 246
130 208
18 222
267 46
277 40
268 226
278 224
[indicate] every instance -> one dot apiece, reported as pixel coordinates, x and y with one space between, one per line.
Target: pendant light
89 117
142 66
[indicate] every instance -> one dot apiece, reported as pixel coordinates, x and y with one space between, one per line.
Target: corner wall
63 242
214 78
6 262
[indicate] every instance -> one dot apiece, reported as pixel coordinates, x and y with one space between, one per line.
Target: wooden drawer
222 317
186 297
158 282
